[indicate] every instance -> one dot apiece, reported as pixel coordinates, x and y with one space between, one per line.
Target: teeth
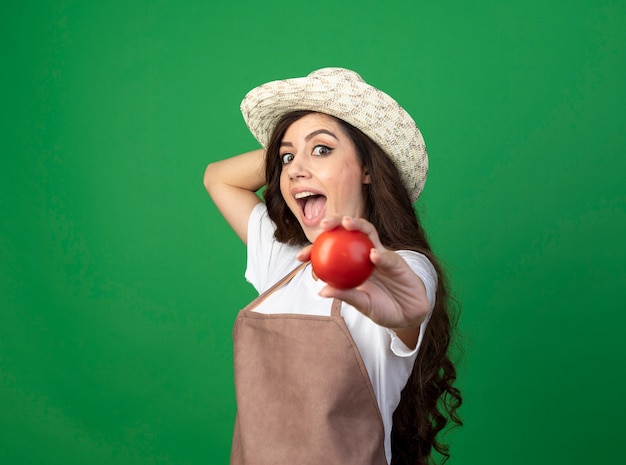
301 195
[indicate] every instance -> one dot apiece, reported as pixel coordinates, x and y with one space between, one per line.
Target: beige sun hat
342 93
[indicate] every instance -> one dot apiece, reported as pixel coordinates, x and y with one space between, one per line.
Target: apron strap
276 286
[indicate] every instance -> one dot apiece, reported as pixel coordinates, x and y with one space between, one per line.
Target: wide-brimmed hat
342 93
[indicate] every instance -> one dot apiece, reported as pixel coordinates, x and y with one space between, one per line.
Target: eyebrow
311 136
320 131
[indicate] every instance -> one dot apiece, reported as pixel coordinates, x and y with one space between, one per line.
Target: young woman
325 375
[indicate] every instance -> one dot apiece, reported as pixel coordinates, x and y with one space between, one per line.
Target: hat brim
343 94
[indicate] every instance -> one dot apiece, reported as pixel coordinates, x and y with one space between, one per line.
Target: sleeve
267 259
426 272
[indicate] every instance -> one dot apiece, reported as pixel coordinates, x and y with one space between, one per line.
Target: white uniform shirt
387 359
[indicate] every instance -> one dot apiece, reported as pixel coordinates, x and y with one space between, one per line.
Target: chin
311 233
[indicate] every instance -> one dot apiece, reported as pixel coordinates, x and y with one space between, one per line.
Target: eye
286 158
321 150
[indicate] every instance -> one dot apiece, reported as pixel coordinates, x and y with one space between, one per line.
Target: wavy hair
429 401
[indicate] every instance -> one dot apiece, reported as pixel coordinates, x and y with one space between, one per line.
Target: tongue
314 206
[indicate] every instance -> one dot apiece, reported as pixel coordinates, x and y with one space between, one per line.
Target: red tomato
341 258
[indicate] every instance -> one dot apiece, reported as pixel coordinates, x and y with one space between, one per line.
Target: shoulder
267 259
417 261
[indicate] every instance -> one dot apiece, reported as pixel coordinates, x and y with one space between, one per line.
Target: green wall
119 281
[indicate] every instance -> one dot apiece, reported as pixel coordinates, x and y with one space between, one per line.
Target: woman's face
321 172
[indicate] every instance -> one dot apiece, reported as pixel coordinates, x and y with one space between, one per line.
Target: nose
297 168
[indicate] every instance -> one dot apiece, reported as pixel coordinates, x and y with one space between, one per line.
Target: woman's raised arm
232 184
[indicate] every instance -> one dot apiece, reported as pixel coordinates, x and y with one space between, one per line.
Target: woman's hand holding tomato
341 257
393 296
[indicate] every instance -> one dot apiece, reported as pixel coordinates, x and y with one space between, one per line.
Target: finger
330 222
355 297
305 253
365 227
386 260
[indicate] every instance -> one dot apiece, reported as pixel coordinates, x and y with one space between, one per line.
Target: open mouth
311 204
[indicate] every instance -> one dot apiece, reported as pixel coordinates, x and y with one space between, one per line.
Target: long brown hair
429 400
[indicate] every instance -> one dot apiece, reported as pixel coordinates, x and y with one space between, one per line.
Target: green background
119 280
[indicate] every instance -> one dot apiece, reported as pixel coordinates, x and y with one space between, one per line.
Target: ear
365 177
